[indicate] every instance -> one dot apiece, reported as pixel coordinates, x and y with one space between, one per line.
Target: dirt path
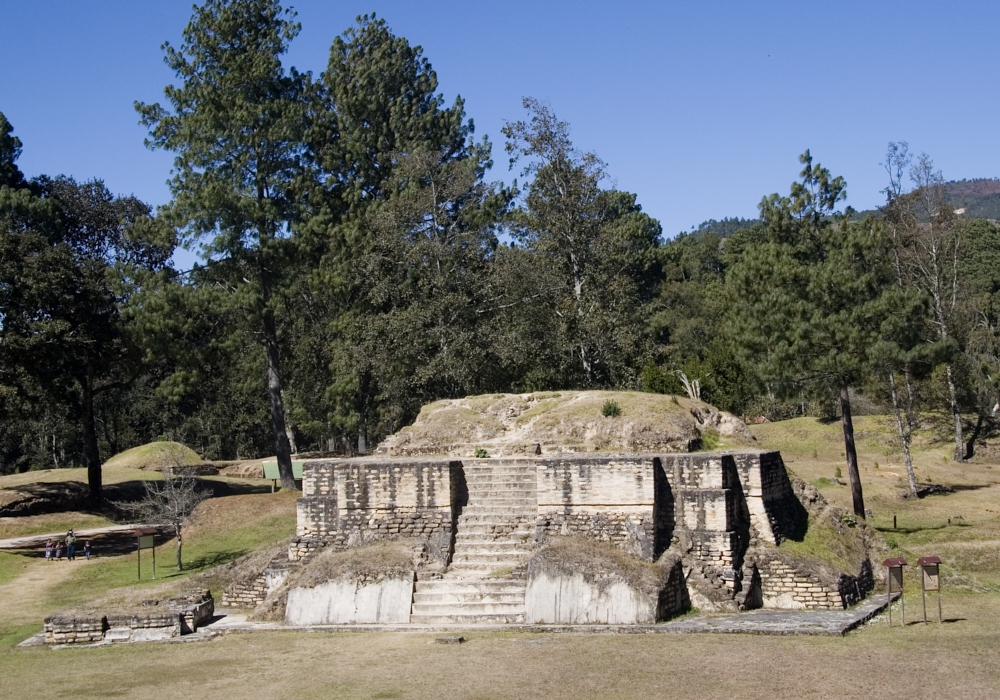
33 541
25 597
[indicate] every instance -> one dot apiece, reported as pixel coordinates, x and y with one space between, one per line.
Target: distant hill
980 198
724 228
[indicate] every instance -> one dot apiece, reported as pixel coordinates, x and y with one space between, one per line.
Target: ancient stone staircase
494 537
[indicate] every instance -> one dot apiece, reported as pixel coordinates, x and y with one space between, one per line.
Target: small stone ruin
152 620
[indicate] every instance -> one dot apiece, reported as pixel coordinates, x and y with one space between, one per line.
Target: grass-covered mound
569 421
158 456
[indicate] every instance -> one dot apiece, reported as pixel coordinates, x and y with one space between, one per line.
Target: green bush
611 409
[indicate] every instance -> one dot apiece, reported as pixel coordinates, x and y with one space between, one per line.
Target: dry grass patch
571 421
602 563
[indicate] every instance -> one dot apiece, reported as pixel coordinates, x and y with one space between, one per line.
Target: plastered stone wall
352 501
718 503
578 598
349 601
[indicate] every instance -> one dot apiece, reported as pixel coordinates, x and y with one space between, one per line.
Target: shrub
611 409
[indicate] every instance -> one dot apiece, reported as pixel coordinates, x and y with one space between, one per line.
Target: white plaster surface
345 601
575 601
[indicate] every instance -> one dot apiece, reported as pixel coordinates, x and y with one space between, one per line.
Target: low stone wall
251 592
349 601
74 630
165 619
785 585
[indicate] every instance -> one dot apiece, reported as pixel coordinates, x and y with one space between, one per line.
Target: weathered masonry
477 516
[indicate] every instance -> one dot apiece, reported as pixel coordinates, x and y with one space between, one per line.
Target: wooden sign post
145 540
930 580
894 584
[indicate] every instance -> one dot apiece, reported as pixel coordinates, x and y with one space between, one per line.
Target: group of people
54 550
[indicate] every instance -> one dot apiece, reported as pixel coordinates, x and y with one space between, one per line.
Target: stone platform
767 622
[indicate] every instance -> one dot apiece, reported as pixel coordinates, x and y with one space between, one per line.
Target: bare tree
168 503
900 219
936 262
927 245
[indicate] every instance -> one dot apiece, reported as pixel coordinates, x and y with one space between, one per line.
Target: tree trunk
851 453
282 449
957 415
970 446
177 531
91 454
905 435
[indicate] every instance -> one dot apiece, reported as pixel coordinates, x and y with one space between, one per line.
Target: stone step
495 619
476 609
486 531
502 545
497 561
444 598
479 572
494 586
510 477
520 509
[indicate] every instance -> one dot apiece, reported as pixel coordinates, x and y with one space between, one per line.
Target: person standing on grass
48 549
86 549
70 545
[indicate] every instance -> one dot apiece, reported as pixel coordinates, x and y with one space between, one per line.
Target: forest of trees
358 262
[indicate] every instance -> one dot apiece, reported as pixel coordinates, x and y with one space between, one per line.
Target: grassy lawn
11 566
957 659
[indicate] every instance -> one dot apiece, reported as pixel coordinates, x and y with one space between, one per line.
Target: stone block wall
714 506
775 512
784 586
709 509
609 498
352 501
74 630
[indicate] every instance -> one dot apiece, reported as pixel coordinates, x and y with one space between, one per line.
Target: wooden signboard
144 539
896 579
930 580
894 584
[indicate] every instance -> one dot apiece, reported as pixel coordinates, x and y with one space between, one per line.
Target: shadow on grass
213 559
928 528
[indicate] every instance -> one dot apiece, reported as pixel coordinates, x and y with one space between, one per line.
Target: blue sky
701 108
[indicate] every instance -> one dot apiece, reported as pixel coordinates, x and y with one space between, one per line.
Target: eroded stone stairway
485 582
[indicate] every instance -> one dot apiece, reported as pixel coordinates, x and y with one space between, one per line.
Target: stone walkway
772 622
